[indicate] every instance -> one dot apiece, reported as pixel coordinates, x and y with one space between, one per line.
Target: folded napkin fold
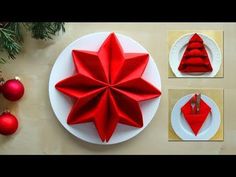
195 57
108 87
195 45
195 53
195 119
195 61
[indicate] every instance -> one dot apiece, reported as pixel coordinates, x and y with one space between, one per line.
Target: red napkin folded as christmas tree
108 87
195 57
195 119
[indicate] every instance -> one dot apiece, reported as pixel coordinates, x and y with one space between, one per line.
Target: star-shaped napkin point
107 87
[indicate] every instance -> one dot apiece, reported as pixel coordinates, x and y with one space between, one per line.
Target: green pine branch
11 40
46 30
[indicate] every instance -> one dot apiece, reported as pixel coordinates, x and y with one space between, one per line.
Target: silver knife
198 102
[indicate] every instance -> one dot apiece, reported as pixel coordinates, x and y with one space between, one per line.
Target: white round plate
182 128
178 48
61 104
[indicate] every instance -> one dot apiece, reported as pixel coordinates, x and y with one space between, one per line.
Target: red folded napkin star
108 87
194 119
195 57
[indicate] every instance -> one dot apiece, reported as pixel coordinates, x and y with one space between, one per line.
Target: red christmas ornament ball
8 123
13 90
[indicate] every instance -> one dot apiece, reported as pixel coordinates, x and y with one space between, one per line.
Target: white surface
182 128
61 104
178 48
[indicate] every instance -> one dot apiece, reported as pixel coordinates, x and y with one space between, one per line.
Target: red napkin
194 119
108 87
195 57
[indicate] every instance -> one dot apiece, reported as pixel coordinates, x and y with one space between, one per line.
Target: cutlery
198 102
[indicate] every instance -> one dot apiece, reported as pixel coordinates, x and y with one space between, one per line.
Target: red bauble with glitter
13 89
8 123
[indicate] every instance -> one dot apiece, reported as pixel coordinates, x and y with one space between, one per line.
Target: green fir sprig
11 40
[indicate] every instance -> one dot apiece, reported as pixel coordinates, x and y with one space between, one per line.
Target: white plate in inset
182 128
177 51
62 104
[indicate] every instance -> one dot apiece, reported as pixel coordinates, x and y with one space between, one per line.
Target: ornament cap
1 80
6 111
17 78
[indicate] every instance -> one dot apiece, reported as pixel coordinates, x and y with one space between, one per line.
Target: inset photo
196 115
195 53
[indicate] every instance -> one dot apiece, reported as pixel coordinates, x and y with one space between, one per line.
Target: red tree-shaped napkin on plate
195 57
108 87
194 119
